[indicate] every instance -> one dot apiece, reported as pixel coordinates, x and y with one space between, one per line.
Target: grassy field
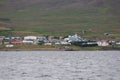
54 48
28 47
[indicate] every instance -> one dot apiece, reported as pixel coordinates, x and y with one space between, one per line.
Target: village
66 42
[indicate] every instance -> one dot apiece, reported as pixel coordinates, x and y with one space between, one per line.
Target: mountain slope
62 16
52 4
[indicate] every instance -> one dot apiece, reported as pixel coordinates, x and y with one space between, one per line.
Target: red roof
1 38
17 42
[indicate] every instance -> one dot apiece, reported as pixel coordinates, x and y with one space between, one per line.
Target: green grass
5 33
42 47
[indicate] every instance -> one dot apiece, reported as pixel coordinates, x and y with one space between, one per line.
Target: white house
27 42
30 38
65 43
48 44
118 43
102 43
41 38
73 38
9 46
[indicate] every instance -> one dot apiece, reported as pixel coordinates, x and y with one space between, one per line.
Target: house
50 37
41 38
62 43
48 44
17 42
73 38
15 38
1 40
112 42
27 42
89 44
57 43
54 41
9 46
31 38
102 43
117 43
65 43
7 38
6 41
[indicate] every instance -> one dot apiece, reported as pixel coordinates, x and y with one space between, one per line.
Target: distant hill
11 5
62 16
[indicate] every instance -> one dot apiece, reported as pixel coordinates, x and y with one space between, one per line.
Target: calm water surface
60 65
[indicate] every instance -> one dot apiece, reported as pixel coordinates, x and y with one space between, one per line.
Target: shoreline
57 50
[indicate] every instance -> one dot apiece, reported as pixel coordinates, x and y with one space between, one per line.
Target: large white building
27 42
30 38
102 43
73 38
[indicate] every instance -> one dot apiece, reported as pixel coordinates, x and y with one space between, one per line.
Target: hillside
11 5
62 16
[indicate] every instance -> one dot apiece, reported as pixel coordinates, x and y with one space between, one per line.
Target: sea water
59 65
